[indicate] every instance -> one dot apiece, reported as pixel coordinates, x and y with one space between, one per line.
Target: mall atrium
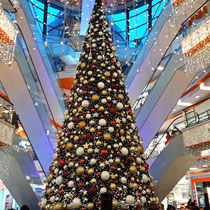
104 104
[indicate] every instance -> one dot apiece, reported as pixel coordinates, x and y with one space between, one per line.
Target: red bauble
92 191
93 66
146 166
99 133
61 163
112 123
82 161
104 152
112 110
80 185
84 136
62 191
65 174
91 138
129 112
112 168
84 92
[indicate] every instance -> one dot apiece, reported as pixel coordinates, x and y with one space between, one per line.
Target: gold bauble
134 116
80 170
93 181
83 65
76 138
117 160
122 131
113 186
95 97
140 149
152 185
71 164
82 124
98 143
92 130
50 177
135 186
102 165
113 67
90 206
58 206
115 203
104 92
90 151
90 171
101 109
107 136
107 74
69 146
75 82
48 191
120 96
133 169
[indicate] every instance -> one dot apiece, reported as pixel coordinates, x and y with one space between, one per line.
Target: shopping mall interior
104 104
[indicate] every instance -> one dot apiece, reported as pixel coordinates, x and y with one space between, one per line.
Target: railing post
2 108
196 117
184 118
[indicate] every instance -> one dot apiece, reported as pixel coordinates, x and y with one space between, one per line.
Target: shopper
168 138
170 207
24 207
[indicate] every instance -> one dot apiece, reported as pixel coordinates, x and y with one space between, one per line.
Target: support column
45 17
149 2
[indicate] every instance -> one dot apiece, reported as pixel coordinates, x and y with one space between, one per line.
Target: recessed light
174 110
183 103
193 169
197 96
160 68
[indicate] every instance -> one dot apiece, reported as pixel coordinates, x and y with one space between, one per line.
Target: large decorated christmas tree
99 150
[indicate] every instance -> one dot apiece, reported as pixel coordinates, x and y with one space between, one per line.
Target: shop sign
8 202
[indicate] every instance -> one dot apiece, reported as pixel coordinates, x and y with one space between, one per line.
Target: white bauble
70 125
100 33
145 178
93 161
124 151
56 171
52 199
143 199
133 126
59 180
130 199
103 190
119 105
138 160
105 175
103 101
71 184
101 85
102 122
55 155
90 73
93 45
77 203
85 103
99 57
111 161
115 74
80 151
123 180
88 116
43 202
66 112
111 129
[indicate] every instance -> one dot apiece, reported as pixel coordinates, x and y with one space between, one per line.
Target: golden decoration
48 191
113 186
86 145
90 171
76 138
75 82
115 204
133 169
90 206
107 136
135 186
69 146
118 120
95 97
122 131
92 130
83 65
82 124
107 74
101 109
71 164
113 67
80 170
152 185
90 151
93 181
50 177
58 206
104 92
117 161
140 149
98 143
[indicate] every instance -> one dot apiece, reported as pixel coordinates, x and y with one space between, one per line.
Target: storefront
6 199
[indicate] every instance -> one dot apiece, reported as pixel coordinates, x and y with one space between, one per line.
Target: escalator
161 36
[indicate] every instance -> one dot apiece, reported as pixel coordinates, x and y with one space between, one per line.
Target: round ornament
77 203
107 136
124 151
102 122
101 85
103 190
90 206
85 103
92 191
143 199
69 146
130 199
113 186
80 151
123 180
145 178
70 125
80 170
105 175
133 169
95 97
59 180
119 105
115 203
82 124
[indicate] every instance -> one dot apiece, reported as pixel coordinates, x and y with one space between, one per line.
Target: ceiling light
160 68
193 169
183 103
205 166
174 110
197 96
202 87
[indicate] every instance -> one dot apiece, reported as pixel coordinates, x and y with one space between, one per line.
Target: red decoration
92 191
65 174
112 168
62 191
104 152
112 110
80 185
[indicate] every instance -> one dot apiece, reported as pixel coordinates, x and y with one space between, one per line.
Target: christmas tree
99 150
